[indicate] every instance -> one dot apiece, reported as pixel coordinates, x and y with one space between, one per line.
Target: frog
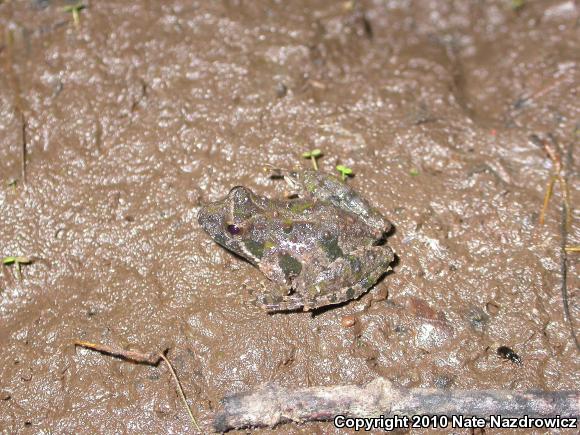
323 244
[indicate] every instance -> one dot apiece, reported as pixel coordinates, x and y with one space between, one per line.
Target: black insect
508 353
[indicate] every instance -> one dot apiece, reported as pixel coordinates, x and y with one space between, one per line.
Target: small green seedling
313 155
414 172
518 4
75 9
18 261
344 172
12 183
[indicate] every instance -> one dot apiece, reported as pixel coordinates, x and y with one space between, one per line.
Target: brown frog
323 247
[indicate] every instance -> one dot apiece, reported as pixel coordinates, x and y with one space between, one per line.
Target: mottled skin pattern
320 248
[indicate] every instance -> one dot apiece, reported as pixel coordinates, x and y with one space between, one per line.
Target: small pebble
348 321
492 308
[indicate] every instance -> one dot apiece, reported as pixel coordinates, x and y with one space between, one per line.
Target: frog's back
309 231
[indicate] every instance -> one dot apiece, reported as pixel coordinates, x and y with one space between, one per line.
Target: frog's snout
211 218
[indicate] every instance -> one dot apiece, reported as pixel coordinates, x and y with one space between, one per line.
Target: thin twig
180 390
564 227
143 358
521 102
131 355
23 154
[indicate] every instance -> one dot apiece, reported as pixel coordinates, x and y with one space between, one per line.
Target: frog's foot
347 277
279 293
273 303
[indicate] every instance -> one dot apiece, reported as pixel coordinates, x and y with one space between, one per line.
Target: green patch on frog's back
289 265
355 263
311 186
331 248
268 244
255 248
300 207
287 226
367 282
350 293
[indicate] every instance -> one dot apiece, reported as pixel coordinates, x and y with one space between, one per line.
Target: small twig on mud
564 261
131 355
572 248
521 102
552 150
151 358
23 147
272 405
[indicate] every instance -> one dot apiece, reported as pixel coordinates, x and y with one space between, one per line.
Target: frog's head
226 221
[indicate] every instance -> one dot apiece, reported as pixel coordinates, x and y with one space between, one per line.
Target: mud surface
146 109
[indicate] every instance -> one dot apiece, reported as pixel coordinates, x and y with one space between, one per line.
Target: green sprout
414 172
313 155
18 261
518 4
75 9
344 172
12 183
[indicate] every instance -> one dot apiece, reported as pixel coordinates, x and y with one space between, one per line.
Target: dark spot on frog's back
287 226
290 266
331 248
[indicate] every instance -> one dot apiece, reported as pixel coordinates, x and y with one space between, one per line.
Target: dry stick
144 358
180 390
272 405
23 155
17 101
131 355
539 93
564 228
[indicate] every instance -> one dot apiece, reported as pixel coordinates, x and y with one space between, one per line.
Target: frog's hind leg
347 277
273 303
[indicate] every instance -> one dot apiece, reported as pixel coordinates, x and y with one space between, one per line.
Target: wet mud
114 130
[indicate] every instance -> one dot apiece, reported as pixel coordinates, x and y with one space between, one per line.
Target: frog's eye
233 229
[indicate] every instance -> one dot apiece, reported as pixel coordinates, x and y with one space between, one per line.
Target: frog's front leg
344 279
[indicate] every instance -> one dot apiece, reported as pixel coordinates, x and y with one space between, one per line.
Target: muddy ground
144 110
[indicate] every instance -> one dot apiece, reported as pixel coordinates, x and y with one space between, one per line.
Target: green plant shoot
313 155
344 172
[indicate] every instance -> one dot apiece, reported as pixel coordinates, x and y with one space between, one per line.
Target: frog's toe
272 303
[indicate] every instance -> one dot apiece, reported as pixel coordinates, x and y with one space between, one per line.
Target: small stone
281 90
492 308
348 321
